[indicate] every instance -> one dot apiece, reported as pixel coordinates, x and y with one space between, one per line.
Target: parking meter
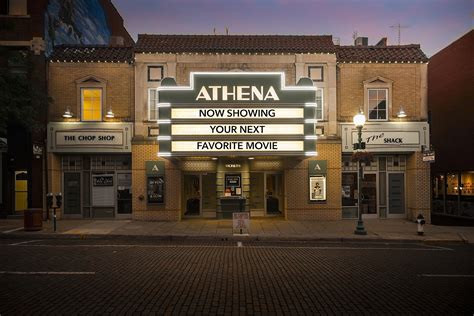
49 200
59 200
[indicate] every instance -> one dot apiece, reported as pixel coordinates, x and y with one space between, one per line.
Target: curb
184 237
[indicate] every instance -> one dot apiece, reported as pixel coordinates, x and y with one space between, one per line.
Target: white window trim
101 103
149 104
378 83
322 104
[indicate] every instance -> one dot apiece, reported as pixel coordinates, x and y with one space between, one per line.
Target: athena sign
236 113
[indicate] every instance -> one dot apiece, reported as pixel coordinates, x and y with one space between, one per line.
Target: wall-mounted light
401 113
110 114
214 158
67 113
251 158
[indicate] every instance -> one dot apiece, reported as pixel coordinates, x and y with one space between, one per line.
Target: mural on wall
75 22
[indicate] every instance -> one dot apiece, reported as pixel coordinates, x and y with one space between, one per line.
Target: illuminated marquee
236 113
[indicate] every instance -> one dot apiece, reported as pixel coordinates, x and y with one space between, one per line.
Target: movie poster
317 188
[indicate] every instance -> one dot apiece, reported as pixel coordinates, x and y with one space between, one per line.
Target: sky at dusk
432 23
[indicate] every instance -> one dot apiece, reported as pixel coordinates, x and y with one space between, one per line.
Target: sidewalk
271 229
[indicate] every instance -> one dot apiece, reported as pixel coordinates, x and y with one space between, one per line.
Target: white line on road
447 275
46 272
12 230
227 246
24 242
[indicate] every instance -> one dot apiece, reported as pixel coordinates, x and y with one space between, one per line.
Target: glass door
396 194
192 195
21 190
274 189
368 186
72 194
257 193
209 197
124 194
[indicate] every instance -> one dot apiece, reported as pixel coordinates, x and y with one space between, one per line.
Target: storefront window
349 189
453 194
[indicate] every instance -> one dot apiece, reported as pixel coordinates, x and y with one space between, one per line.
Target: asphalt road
104 276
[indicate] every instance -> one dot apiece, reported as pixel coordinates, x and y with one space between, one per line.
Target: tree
20 103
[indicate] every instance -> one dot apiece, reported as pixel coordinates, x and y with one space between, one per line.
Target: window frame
379 83
322 105
90 82
378 110
81 89
149 104
155 66
322 72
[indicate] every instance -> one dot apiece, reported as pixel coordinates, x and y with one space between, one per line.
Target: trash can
33 219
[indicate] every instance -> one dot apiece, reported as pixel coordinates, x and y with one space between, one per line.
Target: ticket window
233 185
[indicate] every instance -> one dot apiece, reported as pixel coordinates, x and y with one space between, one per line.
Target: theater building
90 130
264 124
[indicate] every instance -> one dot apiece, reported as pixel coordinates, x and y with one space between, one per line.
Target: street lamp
359 121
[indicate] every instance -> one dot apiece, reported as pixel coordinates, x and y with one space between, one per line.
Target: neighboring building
29 30
451 82
383 81
90 130
269 162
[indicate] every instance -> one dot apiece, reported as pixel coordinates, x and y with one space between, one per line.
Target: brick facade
119 85
297 188
171 209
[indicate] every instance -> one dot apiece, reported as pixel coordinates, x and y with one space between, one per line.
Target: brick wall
119 79
297 187
171 210
418 187
407 88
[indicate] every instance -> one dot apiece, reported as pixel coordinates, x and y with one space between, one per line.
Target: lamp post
359 121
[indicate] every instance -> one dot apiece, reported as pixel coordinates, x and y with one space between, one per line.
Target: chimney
361 41
382 42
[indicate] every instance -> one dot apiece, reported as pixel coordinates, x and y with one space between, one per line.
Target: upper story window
319 104
152 104
91 93
377 104
91 104
377 98
155 73
316 73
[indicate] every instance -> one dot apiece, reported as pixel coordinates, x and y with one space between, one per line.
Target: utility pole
399 27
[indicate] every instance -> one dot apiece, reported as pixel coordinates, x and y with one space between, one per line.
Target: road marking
447 275
239 244
12 230
228 246
24 242
46 272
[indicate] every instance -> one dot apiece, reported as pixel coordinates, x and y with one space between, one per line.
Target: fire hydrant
421 222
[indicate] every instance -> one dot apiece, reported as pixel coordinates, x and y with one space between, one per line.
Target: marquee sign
388 136
237 113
